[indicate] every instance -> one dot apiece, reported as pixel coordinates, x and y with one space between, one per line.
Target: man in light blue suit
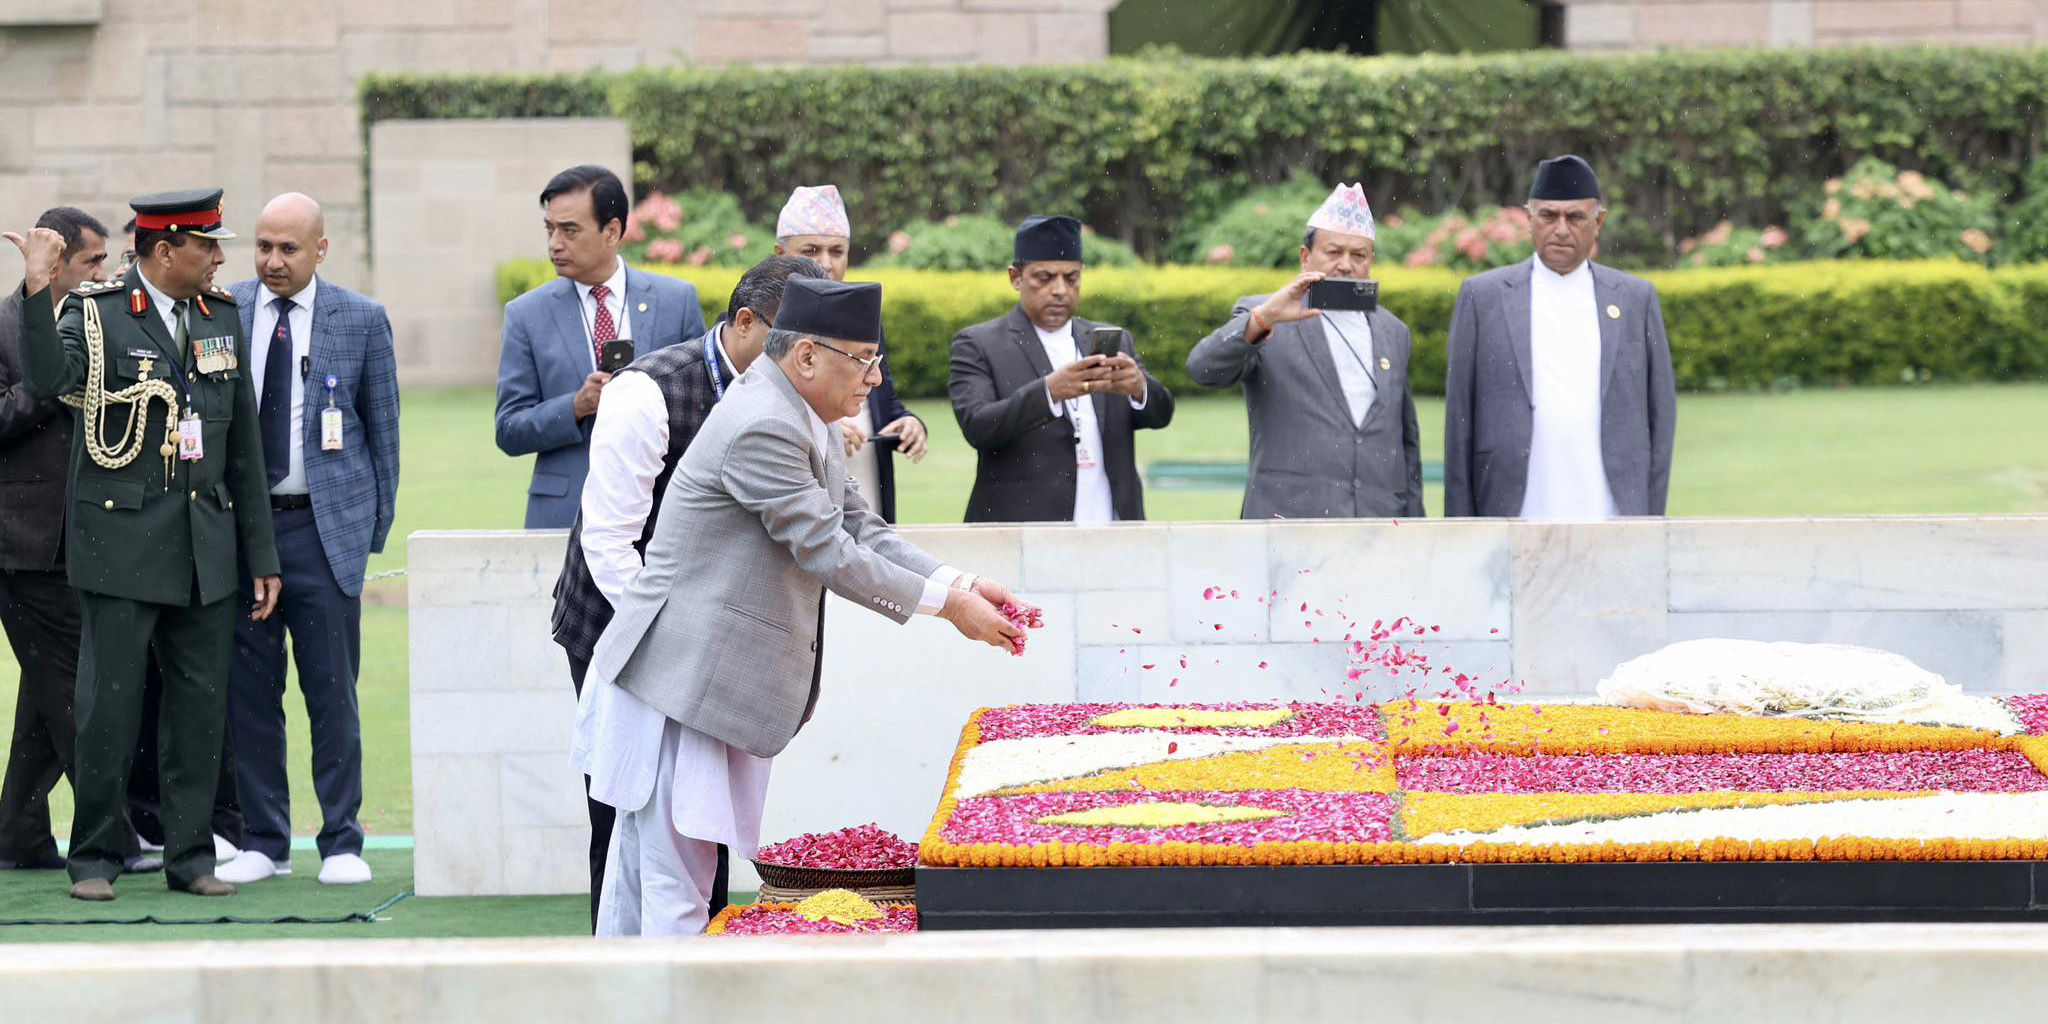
326 388
551 371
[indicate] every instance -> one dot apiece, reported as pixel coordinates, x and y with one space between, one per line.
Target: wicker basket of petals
866 859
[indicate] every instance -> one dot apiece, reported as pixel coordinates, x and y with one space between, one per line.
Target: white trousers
656 881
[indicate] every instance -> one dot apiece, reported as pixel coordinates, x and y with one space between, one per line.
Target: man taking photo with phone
1052 419
1332 420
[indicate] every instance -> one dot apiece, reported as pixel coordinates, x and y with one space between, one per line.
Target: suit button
192 496
191 376
109 506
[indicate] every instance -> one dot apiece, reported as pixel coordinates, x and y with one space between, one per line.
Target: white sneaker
344 869
222 849
250 866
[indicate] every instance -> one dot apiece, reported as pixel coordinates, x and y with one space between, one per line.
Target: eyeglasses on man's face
867 366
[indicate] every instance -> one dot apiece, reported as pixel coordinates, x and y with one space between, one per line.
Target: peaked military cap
192 211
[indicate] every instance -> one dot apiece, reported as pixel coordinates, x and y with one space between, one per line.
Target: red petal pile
758 920
862 847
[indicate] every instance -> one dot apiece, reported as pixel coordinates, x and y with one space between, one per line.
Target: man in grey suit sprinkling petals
710 664
1559 401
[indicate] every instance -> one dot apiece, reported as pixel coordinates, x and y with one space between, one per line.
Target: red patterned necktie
602 329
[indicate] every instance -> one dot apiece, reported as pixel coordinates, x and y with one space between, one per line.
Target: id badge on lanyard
191 437
330 420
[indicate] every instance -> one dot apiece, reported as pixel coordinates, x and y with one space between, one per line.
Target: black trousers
326 629
39 612
145 803
192 644
603 817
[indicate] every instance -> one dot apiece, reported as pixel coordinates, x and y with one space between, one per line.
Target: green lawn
1889 450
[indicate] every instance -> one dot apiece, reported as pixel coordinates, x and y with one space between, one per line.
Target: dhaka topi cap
814 210
192 211
1345 213
1044 239
823 308
1564 177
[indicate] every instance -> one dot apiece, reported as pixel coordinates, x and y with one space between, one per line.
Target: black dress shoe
206 885
53 862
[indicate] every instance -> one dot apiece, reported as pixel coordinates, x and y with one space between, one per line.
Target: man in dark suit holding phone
1325 375
1052 418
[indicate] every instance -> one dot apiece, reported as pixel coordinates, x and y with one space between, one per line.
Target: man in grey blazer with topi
1332 419
711 663
550 372
1559 399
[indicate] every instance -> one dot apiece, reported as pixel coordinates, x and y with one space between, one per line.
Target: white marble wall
1544 608
1688 974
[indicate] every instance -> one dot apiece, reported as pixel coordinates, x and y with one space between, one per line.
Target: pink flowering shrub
697 227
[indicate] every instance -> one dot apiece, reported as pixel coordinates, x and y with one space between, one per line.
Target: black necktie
274 417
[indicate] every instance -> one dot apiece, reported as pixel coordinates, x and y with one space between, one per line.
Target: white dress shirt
615 300
1349 335
1567 470
1093 501
265 325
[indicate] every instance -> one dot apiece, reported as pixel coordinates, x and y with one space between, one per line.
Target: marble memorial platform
1549 606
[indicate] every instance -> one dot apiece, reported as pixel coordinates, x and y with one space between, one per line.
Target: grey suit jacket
1489 403
720 631
1310 460
544 359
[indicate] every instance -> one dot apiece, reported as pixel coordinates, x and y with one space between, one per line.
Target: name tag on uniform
191 437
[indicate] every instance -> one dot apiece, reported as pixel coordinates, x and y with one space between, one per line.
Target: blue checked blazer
354 490
543 361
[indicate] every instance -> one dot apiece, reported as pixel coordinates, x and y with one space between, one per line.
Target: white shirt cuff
935 587
1058 408
1144 394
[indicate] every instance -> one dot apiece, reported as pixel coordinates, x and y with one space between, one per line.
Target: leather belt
288 502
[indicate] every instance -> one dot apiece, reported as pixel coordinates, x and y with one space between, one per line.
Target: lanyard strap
1349 347
711 364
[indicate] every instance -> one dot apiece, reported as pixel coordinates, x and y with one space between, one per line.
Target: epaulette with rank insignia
97 287
222 293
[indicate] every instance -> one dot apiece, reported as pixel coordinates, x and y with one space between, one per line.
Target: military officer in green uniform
167 490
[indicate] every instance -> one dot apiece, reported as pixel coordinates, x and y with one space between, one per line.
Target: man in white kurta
710 665
1559 396
1567 476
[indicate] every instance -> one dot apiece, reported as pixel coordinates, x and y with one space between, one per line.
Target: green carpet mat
29 898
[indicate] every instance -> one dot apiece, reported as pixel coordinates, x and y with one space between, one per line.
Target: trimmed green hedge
1139 146
1797 323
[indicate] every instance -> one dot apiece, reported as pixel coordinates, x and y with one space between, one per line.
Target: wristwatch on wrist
965 582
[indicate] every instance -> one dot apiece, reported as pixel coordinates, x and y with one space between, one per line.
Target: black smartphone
616 355
1109 342
1344 293
887 442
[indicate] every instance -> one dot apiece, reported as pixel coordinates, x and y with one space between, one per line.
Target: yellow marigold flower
841 906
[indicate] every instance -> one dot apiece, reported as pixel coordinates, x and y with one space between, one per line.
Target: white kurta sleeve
627 446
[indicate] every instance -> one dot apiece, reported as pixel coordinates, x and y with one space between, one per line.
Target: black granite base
1465 894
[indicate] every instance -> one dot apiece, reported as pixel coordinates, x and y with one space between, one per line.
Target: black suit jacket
885 408
1026 468
581 611
35 456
